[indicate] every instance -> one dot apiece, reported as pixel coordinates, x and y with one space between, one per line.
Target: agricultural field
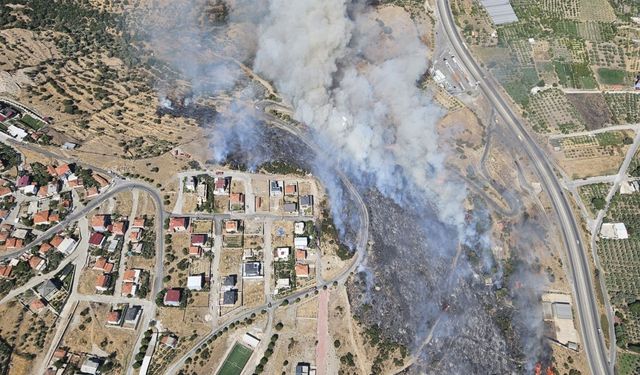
594 196
551 111
628 364
612 76
587 156
625 107
566 45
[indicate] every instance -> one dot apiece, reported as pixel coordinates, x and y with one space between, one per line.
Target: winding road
362 236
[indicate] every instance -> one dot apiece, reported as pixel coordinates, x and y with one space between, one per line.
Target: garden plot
596 31
560 8
606 54
615 77
575 75
626 38
550 110
541 50
547 72
625 107
621 265
522 52
626 209
628 364
596 10
588 156
594 196
560 49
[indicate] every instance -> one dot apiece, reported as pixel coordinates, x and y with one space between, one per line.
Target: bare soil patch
593 109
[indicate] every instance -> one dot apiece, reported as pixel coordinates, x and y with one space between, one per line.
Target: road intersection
577 255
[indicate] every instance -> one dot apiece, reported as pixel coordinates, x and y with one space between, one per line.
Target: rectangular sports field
236 360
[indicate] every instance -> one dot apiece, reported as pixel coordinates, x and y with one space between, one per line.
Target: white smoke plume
352 76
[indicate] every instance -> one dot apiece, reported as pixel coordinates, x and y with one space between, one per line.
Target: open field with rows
625 107
551 111
593 196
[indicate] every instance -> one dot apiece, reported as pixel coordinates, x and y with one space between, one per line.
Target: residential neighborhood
79 250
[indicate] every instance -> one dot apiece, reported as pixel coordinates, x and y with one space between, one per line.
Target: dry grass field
88 333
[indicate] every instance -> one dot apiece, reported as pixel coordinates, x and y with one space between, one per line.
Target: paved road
578 264
362 237
118 187
634 127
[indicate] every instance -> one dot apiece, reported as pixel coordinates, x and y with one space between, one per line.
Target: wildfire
538 369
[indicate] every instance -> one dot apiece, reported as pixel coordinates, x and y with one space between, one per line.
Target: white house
282 253
614 231
301 242
195 282
67 245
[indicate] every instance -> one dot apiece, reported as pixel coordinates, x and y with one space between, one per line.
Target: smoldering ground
349 70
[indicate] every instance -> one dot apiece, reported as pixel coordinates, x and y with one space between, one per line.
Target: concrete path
135 194
323 332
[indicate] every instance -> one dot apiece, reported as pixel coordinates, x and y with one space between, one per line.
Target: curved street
578 264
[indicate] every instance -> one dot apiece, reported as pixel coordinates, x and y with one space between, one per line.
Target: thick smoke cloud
351 73
352 77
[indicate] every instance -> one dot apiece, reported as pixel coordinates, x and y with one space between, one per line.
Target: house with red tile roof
60 353
290 189
96 239
172 297
129 289
136 235
45 248
119 228
5 271
231 226
102 264
41 218
236 199
195 251
100 180
99 223
56 240
37 263
23 181
92 192
302 270
37 305
75 183
301 254
114 317
14 243
5 191
102 282
198 239
221 185
63 170
178 224
138 222
51 170
131 276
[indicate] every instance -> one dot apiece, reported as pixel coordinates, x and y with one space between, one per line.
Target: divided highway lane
578 265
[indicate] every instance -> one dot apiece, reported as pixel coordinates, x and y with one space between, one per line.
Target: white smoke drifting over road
352 76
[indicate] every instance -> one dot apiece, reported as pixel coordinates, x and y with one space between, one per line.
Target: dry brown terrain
89 333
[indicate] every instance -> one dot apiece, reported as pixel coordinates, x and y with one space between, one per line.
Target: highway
578 264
